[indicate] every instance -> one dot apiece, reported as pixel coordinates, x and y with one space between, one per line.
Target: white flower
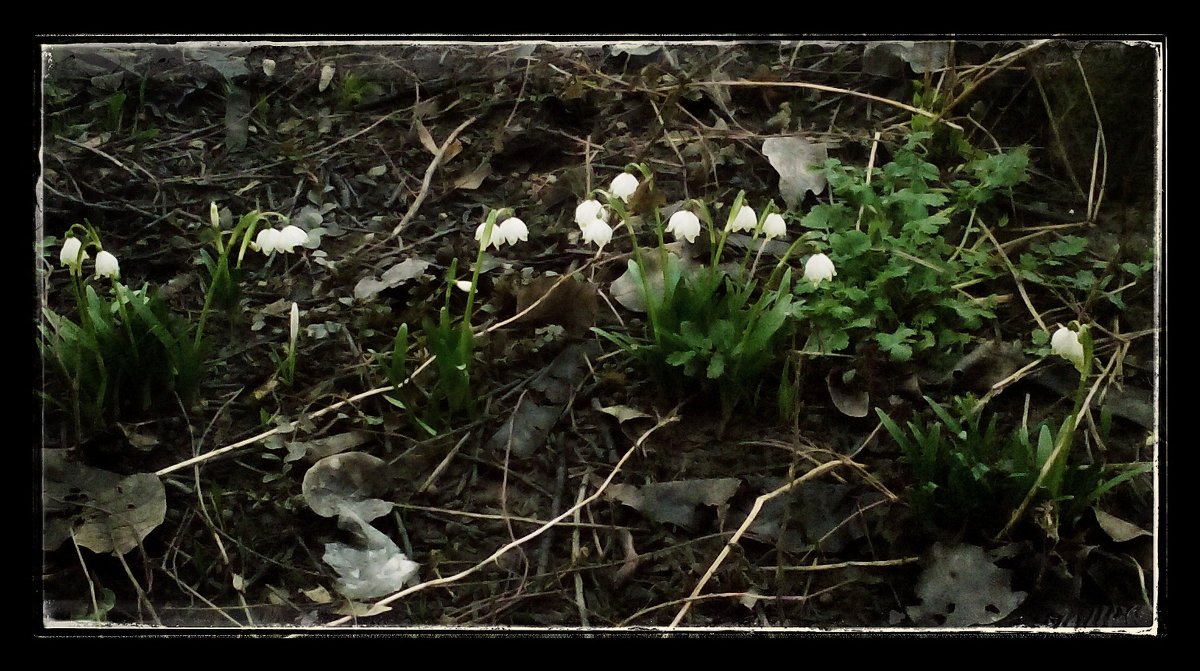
774 226
268 66
70 254
496 239
463 285
289 237
685 225
267 240
589 211
623 186
511 230
214 215
745 220
294 325
598 232
107 266
1065 343
818 268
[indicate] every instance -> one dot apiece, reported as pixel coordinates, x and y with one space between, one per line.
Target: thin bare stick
580 602
996 69
487 516
428 181
734 595
831 89
444 463
86 574
111 158
1015 275
870 170
671 418
846 564
737 535
1093 210
348 138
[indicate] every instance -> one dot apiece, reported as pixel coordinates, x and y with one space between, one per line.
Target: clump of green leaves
892 238
126 353
968 471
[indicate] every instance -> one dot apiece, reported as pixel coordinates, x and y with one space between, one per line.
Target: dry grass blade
1015 275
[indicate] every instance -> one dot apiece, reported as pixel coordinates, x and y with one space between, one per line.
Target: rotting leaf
348 481
798 163
851 402
117 520
568 303
315 450
326 77
988 363
361 610
960 587
884 58
1118 529
138 440
675 502
375 568
318 595
473 179
529 425
624 413
398 274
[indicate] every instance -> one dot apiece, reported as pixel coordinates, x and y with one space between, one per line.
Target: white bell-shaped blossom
598 232
495 240
289 237
819 268
623 186
589 211
71 253
684 225
267 240
294 326
774 226
107 266
1065 343
746 220
512 230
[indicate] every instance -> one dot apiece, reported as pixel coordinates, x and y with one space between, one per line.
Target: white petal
623 186
69 256
107 266
267 240
598 232
588 211
774 226
745 220
513 229
684 225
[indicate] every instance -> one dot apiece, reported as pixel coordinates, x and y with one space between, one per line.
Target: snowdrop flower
495 240
599 232
294 325
623 186
107 266
511 230
214 215
745 220
289 237
774 226
685 225
70 254
1065 343
267 240
818 268
589 211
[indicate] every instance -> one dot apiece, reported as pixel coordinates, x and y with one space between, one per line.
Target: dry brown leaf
472 180
1118 529
568 303
675 502
315 450
424 136
118 519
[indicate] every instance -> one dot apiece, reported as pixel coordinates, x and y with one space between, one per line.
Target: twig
580 602
758 504
433 166
442 466
348 138
1093 209
1015 275
846 564
994 63
487 516
833 89
529 536
733 595
870 170
110 157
